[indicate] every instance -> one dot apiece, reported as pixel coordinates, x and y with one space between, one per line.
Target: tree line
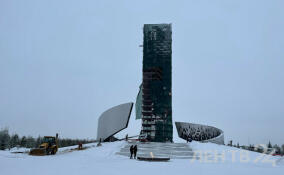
276 148
8 141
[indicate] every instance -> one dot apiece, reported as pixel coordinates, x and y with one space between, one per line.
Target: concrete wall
113 120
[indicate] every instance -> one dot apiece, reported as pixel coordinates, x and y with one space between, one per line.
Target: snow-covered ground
215 159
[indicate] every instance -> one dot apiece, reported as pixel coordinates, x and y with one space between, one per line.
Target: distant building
157 83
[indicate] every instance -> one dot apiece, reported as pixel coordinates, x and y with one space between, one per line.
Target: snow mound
104 160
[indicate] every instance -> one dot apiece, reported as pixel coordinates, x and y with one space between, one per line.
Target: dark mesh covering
157 83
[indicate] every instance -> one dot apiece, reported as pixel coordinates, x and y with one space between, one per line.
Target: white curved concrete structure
113 120
203 133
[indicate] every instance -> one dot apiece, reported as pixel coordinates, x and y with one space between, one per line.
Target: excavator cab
49 140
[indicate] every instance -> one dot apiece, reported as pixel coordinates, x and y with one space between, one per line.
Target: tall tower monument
157 83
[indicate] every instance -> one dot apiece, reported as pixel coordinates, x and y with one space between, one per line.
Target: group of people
133 151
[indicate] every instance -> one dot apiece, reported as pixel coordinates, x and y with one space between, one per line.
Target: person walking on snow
135 151
131 151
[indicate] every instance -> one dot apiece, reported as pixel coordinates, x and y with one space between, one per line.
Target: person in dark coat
131 151
135 151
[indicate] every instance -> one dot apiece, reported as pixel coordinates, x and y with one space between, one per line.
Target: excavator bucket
38 152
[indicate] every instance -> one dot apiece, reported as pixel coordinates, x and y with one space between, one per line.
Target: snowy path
103 161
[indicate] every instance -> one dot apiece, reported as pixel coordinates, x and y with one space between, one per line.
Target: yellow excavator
49 146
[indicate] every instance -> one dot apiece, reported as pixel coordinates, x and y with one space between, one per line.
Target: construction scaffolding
157 83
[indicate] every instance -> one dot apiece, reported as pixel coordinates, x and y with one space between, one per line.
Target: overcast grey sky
62 63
